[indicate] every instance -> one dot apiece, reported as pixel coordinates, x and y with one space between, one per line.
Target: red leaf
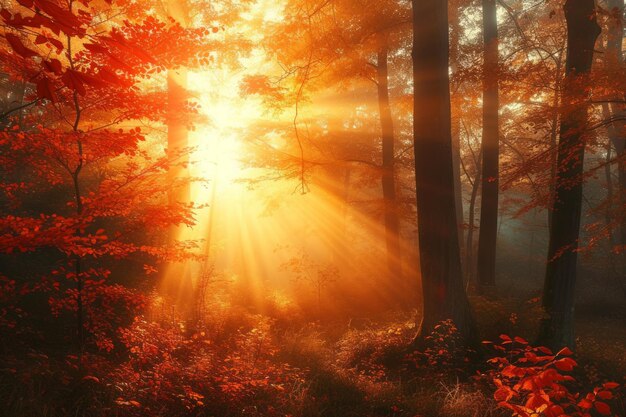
95 48
503 394
45 90
603 408
565 352
554 411
610 385
69 23
73 82
19 47
544 349
605 395
54 65
565 364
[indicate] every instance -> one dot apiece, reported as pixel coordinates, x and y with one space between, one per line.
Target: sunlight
311 208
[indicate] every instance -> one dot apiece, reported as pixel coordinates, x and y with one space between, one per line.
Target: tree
442 282
392 226
82 141
490 150
617 128
557 328
343 43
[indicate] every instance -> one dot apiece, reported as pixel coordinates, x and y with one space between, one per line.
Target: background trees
250 239
558 295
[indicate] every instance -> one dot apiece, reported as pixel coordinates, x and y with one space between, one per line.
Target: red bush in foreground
533 381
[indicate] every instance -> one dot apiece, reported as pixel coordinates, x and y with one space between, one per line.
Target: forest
312 208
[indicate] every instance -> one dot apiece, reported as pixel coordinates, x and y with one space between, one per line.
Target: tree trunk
392 237
442 282
608 175
554 129
456 126
557 327
469 251
487 234
617 129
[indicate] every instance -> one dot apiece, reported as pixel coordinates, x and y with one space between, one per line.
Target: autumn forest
312 208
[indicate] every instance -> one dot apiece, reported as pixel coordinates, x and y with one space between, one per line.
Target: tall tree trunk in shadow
487 235
443 292
392 236
557 326
456 126
554 130
617 129
469 246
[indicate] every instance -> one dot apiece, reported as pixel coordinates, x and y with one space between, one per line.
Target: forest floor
238 363
359 369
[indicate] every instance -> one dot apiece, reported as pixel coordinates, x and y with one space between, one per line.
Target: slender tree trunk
469 252
608 176
488 231
442 281
392 232
557 327
456 126
617 129
554 130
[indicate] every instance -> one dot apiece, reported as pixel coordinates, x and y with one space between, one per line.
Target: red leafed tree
80 142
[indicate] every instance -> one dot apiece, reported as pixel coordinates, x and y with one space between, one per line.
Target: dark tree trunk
442 281
487 235
557 327
554 130
456 125
469 246
392 237
610 211
617 129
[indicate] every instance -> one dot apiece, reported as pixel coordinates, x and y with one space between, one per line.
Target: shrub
533 381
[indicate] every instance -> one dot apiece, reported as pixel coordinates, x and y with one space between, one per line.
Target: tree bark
487 235
469 251
617 129
392 237
442 281
554 130
557 327
456 126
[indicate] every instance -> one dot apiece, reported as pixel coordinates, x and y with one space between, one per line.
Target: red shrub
533 381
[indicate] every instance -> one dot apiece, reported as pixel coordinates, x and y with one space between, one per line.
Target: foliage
534 381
